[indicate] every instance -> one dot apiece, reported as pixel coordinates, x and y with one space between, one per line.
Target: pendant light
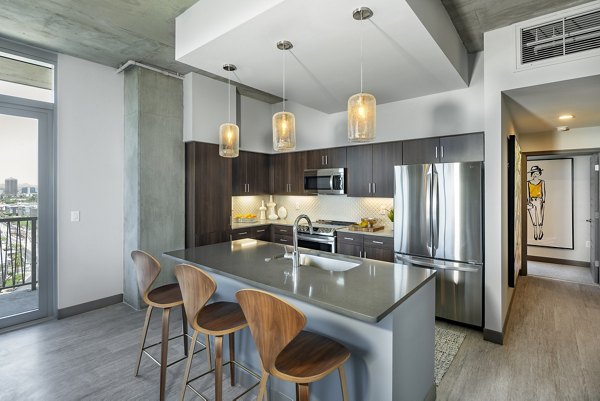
284 122
229 133
361 106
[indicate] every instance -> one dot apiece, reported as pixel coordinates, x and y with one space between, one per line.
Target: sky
18 149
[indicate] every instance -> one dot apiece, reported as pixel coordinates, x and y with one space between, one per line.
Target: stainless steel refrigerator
438 211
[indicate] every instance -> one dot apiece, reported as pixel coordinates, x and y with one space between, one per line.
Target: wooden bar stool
165 297
216 319
286 351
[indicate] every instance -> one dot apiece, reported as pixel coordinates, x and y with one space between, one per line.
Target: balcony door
27 222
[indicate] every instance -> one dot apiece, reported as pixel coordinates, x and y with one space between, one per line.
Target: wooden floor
552 352
91 357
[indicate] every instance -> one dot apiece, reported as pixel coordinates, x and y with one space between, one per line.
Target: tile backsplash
330 207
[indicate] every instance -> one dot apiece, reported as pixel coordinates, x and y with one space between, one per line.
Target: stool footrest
236 363
172 338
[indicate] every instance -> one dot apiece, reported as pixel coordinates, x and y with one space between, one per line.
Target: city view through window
18 214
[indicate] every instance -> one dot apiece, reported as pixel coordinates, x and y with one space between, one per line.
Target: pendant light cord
361 51
229 96
284 50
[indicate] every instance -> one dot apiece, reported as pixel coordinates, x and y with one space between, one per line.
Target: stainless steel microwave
326 181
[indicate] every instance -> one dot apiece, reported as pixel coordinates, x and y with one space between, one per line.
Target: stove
324 227
323 235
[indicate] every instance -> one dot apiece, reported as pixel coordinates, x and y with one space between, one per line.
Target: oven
318 242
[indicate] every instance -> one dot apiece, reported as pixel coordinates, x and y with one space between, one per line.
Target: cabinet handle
364 254
442 151
283 240
378 242
349 239
283 230
436 152
260 231
244 233
326 161
322 160
374 190
369 187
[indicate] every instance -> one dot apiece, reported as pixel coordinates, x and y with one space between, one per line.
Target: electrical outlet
588 244
74 216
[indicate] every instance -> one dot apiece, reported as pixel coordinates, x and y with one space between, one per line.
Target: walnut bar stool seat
286 351
164 297
216 319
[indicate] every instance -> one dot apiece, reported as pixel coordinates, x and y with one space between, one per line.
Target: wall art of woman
536 197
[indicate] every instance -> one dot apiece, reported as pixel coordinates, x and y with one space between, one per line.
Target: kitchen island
383 312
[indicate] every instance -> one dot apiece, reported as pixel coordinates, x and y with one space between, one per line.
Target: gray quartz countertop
383 233
235 226
368 292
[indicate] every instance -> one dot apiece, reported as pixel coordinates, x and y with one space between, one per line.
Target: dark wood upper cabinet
208 194
419 151
371 169
462 148
287 173
385 157
447 149
250 174
360 170
326 158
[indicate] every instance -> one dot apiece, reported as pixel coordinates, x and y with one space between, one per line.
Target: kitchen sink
329 262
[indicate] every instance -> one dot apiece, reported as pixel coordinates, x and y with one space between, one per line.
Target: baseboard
432 393
558 261
493 336
89 306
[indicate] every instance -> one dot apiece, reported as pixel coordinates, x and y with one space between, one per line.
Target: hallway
551 351
575 274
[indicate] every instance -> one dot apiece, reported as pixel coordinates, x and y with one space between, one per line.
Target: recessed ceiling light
566 116
563 128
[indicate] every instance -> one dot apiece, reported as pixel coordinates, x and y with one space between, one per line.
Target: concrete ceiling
409 50
474 17
536 108
110 32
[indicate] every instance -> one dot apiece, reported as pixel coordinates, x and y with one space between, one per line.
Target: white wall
581 212
90 180
255 126
500 75
205 107
575 139
453 112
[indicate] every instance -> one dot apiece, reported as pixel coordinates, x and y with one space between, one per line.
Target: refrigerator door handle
435 210
428 208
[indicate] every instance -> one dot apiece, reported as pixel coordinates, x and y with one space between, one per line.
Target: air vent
569 35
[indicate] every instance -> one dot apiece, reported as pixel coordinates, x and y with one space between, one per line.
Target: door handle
374 188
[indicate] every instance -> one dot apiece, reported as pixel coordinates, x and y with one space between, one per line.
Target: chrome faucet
296 253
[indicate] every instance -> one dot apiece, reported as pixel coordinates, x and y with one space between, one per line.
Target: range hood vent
560 37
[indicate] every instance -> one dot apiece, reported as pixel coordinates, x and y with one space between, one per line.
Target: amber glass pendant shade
284 131
229 140
362 117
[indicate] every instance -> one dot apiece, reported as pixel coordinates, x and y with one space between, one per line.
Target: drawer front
282 239
282 230
376 241
262 233
241 233
350 238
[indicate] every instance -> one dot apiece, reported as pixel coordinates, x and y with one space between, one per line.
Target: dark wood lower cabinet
366 246
349 249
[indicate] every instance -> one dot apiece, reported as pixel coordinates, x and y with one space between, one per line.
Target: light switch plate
588 244
74 215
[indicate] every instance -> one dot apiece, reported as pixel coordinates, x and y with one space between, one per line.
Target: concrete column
154 193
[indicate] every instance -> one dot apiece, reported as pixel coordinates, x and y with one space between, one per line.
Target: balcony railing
18 252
